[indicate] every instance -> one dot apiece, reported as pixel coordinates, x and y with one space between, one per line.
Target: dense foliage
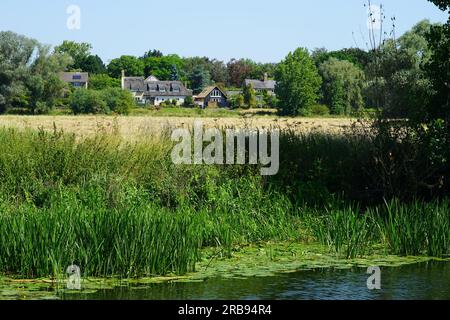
28 74
343 84
298 83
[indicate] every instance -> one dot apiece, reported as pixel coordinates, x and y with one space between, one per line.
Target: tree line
400 76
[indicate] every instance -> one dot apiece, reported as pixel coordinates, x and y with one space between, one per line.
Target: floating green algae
256 260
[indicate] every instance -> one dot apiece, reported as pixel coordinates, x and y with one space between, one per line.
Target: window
216 93
76 77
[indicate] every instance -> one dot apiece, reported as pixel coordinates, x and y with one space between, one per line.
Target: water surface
430 280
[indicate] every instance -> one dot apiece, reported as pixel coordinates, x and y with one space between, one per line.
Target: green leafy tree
118 100
269 100
29 74
189 102
342 87
93 65
237 101
200 78
153 54
358 57
103 81
132 66
298 83
174 76
85 101
438 68
164 68
249 96
396 84
77 51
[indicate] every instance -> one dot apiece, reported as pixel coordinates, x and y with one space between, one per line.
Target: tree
438 68
298 83
218 71
77 51
164 68
200 79
358 57
132 66
239 70
153 54
342 87
189 102
29 74
88 101
237 101
118 100
93 65
103 81
444 5
174 76
249 96
397 86
269 100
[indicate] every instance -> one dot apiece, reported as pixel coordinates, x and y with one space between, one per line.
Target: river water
430 280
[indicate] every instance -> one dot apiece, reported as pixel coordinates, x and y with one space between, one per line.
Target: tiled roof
258 84
156 88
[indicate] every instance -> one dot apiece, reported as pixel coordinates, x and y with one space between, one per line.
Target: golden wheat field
130 127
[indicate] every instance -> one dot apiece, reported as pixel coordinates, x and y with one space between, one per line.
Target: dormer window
216 93
175 88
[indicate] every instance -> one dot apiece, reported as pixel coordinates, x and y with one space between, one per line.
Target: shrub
189 102
118 100
88 101
319 110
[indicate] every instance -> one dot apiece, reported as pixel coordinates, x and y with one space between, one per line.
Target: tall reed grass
124 209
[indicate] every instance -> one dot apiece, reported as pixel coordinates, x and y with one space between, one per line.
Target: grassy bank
120 208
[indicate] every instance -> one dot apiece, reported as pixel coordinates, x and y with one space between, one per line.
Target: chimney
266 77
123 79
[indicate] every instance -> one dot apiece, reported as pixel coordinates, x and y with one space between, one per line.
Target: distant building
76 79
211 96
155 92
262 85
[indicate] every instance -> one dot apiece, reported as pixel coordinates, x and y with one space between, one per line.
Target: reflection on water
429 280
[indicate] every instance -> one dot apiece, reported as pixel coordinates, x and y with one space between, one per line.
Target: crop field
132 127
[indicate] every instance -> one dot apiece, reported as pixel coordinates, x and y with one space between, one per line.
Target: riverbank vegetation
123 209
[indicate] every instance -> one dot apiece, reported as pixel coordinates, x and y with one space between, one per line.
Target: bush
88 101
319 110
189 102
118 100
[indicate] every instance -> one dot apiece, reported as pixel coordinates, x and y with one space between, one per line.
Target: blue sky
263 30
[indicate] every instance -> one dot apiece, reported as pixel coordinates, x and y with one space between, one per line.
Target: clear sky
263 30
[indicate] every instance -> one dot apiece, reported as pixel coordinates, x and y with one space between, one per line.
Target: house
262 85
76 79
211 96
155 92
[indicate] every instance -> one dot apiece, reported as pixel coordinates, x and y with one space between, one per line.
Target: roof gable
208 90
